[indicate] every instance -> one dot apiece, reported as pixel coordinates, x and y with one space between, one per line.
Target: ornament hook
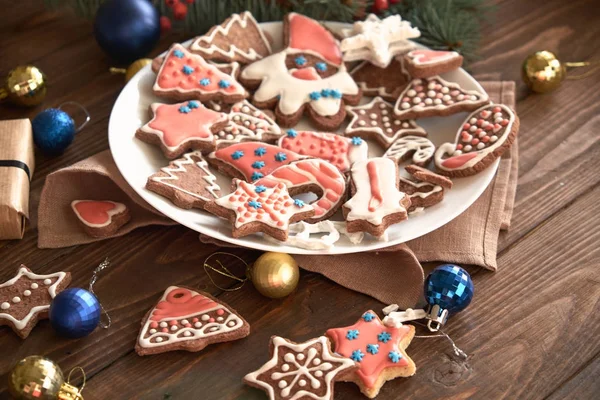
103 265
225 272
82 108
82 374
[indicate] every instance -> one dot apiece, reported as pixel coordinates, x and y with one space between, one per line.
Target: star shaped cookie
378 41
26 298
177 128
256 208
376 120
379 350
299 370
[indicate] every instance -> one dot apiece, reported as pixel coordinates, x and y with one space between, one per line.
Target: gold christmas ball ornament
543 71
133 69
38 378
275 275
24 86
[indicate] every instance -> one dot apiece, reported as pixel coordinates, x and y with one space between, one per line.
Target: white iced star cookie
300 370
378 41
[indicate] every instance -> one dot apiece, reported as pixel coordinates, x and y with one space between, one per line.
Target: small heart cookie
100 218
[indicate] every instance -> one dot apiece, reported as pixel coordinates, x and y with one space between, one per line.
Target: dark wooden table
532 330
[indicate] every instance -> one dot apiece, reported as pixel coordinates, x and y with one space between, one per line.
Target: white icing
419 58
300 235
387 176
378 40
16 299
418 186
180 166
300 369
422 147
5 305
449 148
34 285
205 331
20 324
27 293
239 128
403 128
118 209
294 92
242 20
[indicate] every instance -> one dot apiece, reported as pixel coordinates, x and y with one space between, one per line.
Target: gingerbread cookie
246 123
338 150
378 41
425 188
190 320
256 208
232 69
187 182
484 136
419 149
379 350
386 82
187 76
300 370
318 88
375 201
313 175
25 299
100 219
178 128
251 160
238 38
376 120
435 97
423 63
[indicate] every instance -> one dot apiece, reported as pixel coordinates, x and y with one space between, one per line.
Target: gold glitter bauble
24 86
38 378
543 72
133 69
275 275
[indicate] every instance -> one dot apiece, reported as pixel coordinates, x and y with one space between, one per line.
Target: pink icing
94 212
327 146
171 74
181 302
178 127
431 56
308 34
307 172
376 197
244 164
307 74
372 364
458 161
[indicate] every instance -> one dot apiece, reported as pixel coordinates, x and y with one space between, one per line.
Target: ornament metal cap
436 317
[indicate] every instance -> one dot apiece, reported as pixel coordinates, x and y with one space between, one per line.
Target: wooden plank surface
531 331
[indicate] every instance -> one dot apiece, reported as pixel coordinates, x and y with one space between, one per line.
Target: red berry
395 1
380 5
189 1
171 3
180 11
165 24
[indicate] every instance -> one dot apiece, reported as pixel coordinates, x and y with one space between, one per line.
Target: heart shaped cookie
100 218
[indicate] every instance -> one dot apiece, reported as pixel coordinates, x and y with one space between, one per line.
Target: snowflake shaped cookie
378 40
299 370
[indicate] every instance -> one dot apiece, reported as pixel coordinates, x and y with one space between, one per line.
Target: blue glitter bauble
53 131
74 313
450 287
127 29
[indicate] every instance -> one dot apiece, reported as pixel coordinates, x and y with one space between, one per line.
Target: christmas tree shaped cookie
186 319
187 182
435 97
177 128
187 76
238 38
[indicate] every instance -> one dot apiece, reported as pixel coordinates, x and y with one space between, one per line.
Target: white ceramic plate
137 160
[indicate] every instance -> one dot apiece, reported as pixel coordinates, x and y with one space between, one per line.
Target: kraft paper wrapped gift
16 169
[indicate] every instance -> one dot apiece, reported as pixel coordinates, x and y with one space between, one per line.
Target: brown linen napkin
95 178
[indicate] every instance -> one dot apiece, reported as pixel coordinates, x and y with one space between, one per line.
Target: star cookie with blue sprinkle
255 208
379 350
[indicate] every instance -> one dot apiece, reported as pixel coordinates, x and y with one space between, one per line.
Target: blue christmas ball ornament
127 29
450 287
53 131
74 313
